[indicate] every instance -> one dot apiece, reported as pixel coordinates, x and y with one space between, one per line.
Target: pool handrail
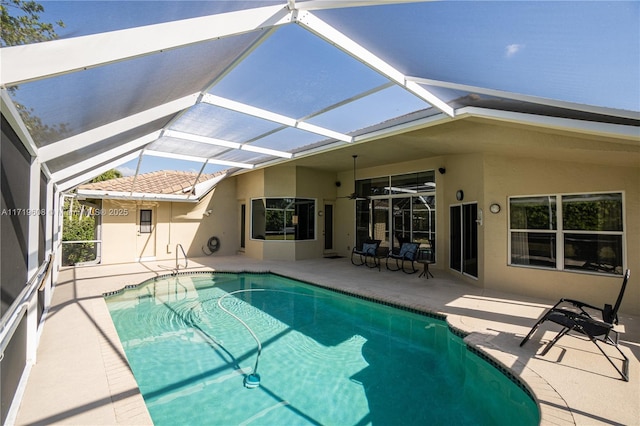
186 260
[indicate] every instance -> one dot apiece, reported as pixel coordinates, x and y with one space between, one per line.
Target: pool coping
572 384
552 408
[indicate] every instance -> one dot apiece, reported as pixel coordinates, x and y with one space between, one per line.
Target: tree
78 224
109 174
20 23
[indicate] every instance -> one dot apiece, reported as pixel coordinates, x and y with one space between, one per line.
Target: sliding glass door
463 239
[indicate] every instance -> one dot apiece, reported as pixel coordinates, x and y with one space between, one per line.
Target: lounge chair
359 256
574 315
408 253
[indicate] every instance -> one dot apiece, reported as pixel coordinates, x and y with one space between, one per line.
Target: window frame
146 223
288 213
560 234
381 189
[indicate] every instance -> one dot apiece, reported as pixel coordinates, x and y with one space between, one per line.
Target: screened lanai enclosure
234 86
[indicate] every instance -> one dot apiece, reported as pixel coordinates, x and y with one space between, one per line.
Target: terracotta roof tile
161 182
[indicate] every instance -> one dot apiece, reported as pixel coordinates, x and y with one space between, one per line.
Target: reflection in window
586 233
399 208
283 219
409 183
146 223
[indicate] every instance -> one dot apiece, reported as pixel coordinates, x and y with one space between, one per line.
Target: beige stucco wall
485 177
489 178
286 181
507 176
175 223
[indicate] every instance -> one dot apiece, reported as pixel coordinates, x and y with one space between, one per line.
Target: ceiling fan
354 195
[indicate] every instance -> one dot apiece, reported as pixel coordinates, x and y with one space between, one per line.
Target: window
283 219
398 208
568 232
145 221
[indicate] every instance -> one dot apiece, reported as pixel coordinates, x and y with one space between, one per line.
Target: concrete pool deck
81 375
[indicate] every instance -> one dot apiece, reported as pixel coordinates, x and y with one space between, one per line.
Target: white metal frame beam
13 117
70 183
272 116
339 4
325 31
195 159
36 61
86 165
219 142
619 131
526 98
82 140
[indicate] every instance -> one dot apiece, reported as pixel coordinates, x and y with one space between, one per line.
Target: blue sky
577 51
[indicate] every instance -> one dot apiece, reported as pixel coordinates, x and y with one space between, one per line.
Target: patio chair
408 253
574 315
369 249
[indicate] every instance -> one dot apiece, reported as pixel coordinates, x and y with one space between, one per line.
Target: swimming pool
326 358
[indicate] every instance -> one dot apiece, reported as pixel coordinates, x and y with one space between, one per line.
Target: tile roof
161 182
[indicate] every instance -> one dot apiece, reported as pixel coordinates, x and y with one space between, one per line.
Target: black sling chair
581 321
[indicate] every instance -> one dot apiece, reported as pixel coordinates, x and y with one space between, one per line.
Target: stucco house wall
286 181
508 176
511 161
488 178
174 223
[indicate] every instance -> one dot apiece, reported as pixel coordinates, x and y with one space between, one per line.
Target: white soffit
120 195
527 98
631 133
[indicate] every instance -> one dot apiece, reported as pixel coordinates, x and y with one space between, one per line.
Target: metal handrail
11 319
186 260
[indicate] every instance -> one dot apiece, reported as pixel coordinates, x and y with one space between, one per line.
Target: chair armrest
580 305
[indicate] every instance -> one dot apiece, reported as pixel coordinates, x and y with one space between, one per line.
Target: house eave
136 196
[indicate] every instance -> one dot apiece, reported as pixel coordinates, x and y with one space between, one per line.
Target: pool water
327 358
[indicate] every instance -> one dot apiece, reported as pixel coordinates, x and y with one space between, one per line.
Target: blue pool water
327 358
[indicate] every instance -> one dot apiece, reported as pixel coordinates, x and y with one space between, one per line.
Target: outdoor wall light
320 213
442 170
494 208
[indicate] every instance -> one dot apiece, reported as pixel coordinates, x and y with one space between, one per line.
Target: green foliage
602 215
20 23
533 213
109 174
77 225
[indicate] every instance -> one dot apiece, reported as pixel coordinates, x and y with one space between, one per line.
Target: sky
578 51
